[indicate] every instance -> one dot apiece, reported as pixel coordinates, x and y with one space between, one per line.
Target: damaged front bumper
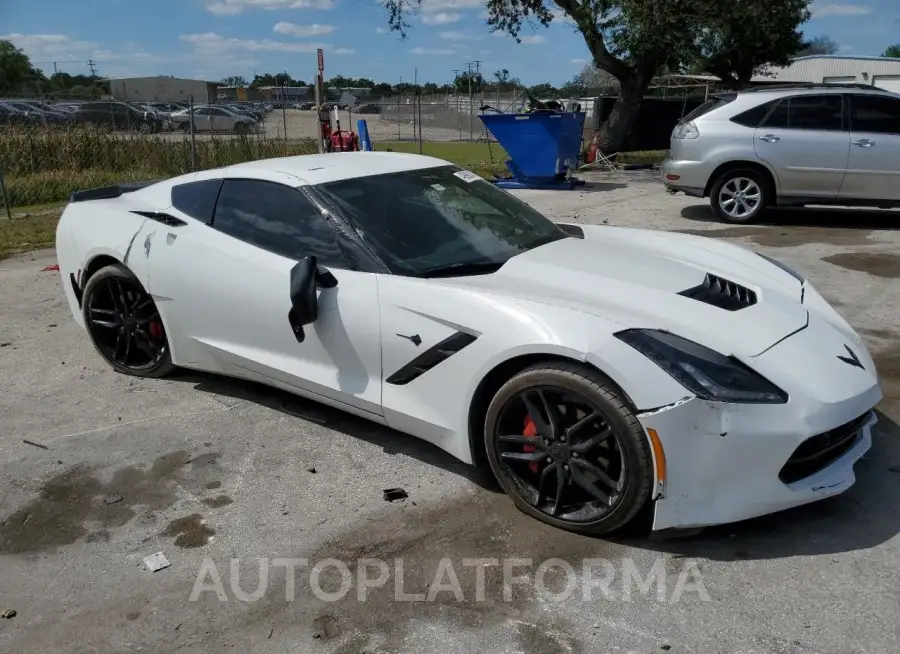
725 463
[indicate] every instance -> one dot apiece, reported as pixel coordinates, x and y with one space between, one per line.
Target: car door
202 121
224 292
873 170
806 140
219 121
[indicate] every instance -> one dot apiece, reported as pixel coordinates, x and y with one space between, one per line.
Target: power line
93 67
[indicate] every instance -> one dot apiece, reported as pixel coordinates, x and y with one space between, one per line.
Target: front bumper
731 469
730 462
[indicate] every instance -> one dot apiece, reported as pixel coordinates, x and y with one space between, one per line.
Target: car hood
637 278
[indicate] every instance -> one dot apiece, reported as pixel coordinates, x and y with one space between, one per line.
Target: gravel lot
198 466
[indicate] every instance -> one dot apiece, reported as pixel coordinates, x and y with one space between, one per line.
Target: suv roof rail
811 85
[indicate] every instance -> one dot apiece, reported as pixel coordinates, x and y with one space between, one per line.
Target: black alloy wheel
568 450
125 325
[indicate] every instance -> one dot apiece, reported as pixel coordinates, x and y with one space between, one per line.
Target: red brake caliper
156 329
530 431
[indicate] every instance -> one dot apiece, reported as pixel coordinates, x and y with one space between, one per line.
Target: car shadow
599 187
865 516
389 440
827 217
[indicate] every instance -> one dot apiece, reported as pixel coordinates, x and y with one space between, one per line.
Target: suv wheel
740 196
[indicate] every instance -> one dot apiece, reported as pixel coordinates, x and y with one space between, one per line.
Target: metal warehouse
882 72
162 89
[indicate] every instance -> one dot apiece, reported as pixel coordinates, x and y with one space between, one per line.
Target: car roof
778 90
331 167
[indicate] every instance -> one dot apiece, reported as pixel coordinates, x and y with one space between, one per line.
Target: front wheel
567 448
740 196
124 324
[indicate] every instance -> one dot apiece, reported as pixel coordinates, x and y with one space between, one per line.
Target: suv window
197 199
818 112
753 117
276 218
709 105
874 113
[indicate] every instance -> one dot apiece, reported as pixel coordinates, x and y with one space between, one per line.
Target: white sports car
596 370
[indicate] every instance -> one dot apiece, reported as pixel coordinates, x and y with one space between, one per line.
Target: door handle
864 143
770 138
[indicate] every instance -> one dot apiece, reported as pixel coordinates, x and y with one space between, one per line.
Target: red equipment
344 141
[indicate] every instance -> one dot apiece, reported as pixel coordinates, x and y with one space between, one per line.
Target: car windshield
439 221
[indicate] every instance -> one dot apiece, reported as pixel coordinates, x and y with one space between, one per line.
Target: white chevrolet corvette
596 370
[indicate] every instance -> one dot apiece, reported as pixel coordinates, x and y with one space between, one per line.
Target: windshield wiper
462 268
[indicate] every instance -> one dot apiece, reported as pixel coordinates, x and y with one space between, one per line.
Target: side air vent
431 358
161 217
721 293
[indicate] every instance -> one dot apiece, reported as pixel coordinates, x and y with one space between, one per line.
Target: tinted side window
822 112
780 115
197 199
276 218
872 113
753 117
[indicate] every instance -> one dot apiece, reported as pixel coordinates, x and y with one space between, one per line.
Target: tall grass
46 165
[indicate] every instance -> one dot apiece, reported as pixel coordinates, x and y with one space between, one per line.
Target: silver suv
818 144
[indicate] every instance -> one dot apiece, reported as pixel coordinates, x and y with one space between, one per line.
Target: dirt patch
213 485
189 531
217 502
72 500
878 333
879 264
783 237
416 542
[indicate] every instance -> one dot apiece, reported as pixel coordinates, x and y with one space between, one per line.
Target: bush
46 165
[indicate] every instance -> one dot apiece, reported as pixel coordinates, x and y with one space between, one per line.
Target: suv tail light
686 131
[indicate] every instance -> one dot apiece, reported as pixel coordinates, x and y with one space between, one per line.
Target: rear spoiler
109 192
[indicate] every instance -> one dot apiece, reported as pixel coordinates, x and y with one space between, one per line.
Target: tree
892 51
629 39
543 91
16 71
237 81
820 45
278 79
748 36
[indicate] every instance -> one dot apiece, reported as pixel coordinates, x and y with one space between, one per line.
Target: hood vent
721 293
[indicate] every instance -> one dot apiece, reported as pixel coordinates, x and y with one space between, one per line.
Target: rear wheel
740 196
124 324
568 450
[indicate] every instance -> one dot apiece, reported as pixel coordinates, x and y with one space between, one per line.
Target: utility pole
471 102
93 68
55 71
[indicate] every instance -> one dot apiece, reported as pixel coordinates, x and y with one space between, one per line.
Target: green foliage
892 51
749 35
16 71
820 45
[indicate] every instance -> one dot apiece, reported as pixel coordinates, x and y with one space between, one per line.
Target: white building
882 72
162 89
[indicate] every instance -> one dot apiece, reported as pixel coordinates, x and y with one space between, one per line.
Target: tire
141 315
636 474
748 184
241 128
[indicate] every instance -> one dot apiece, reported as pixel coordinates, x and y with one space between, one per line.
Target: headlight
790 271
705 373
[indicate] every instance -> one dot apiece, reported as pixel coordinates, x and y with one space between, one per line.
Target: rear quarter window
708 106
197 199
755 116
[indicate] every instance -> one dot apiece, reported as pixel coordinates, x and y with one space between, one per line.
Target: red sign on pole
321 54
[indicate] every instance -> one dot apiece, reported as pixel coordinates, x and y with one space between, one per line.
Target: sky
212 39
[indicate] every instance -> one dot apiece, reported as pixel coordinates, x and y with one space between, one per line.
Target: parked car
213 119
46 113
118 115
11 116
794 145
599 372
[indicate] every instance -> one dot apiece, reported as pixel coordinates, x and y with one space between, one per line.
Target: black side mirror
305 277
